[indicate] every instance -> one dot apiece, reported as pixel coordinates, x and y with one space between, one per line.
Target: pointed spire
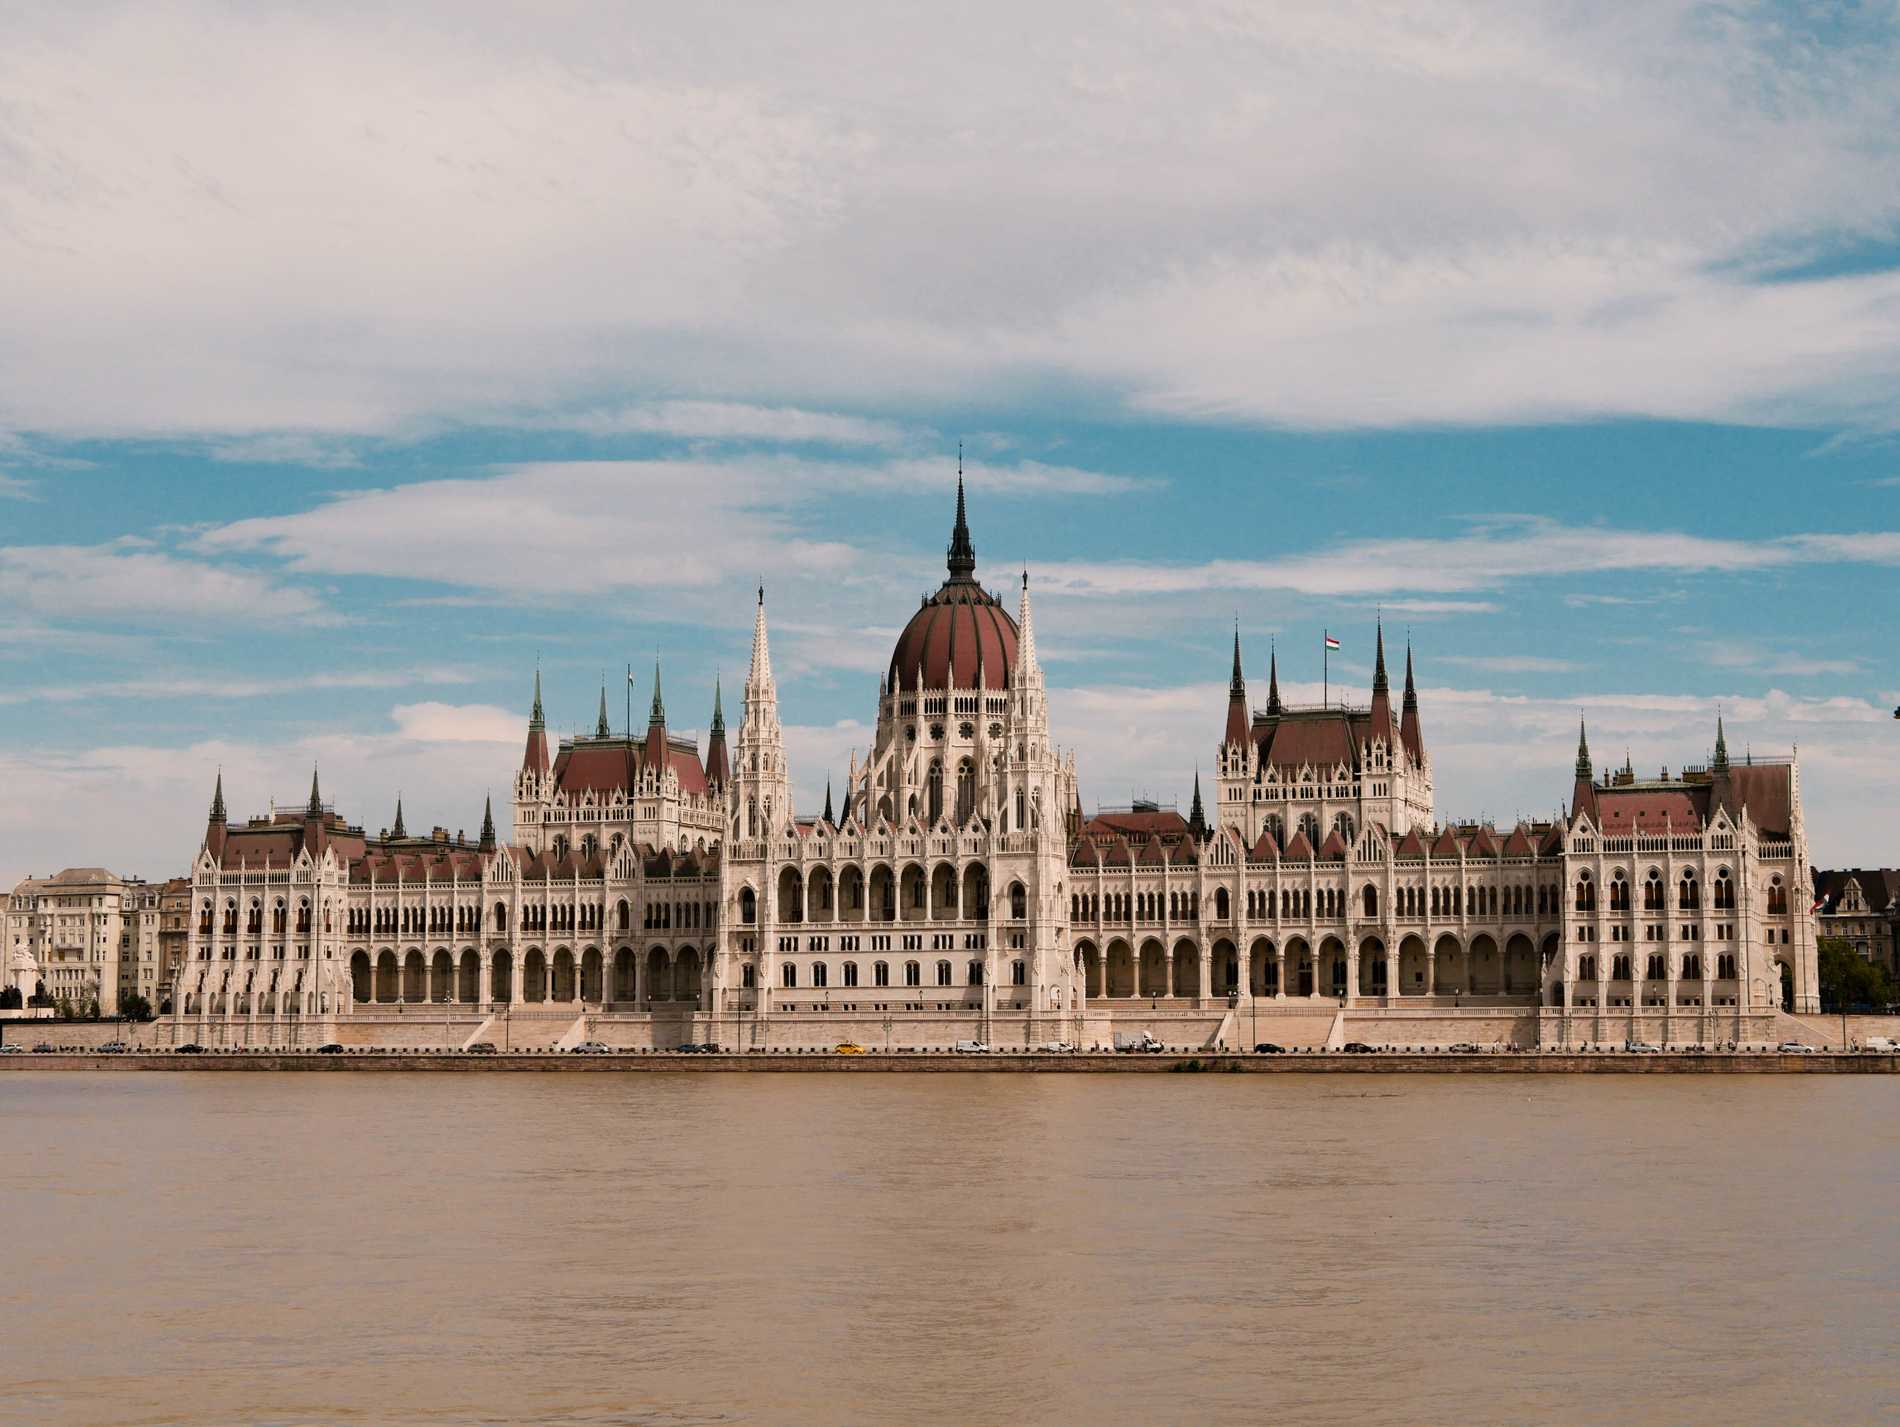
1409 733
719 711
488 824
534 757
398 830
315 808
1239 719
217 799
1379 684
962 558
1274 707
603 729
1583 752
830 820
1026 661
761 675
656 714
1720 765
1197 814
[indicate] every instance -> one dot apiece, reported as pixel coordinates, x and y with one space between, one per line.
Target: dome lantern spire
962 558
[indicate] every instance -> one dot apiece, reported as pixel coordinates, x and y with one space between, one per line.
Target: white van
1886 1045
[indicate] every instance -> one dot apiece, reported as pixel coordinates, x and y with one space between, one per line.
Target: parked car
331 1049
1886 1045
42 1049
711 1048
592 1048
1794 1048
1057 1048
970 1048
1142 1044
114 1048
188 1048
1357 1048
1465 1048
847 1048
11 1049
1269 1048
481 1048
688 1048
1642 1048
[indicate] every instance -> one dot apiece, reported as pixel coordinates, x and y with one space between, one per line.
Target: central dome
960 630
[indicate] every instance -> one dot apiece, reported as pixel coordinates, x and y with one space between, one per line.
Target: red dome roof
960 629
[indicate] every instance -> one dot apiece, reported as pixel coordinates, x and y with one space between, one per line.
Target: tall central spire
962 559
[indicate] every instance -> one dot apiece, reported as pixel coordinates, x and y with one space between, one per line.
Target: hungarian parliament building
651 892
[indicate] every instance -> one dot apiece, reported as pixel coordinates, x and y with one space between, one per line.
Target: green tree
135 1008
1848 980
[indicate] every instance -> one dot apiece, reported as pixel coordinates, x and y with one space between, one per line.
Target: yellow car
849 1048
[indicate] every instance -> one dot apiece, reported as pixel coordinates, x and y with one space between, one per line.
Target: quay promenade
1431 1062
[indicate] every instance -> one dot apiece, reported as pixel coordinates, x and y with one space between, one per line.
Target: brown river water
674 1249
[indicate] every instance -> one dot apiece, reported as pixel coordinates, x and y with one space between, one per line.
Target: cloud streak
1550 213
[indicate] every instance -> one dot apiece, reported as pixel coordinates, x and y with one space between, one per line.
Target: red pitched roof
1623 811
1767 791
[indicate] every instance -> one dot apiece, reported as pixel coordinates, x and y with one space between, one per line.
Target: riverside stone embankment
1426 1062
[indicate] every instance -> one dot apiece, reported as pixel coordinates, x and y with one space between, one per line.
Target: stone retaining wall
1493 1063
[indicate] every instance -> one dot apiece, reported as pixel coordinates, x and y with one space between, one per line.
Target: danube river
602 1249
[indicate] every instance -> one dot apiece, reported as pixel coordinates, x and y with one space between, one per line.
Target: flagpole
1325 666
629 703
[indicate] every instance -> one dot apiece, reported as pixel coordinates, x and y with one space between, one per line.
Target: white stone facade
654 893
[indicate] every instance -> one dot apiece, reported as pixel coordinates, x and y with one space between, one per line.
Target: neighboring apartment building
82 937
1861 906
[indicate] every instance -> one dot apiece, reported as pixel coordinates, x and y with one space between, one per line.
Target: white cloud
286 449
1338 212
1430 607
731 421
135 585
223 687
140 809
1511 663
457 723
1490 553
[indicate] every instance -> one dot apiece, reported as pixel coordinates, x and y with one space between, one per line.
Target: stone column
1431 969
1352 974
1392 987
1279 965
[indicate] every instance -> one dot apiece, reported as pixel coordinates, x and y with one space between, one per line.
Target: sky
356 361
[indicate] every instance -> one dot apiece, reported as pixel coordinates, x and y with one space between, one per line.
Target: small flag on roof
1331 643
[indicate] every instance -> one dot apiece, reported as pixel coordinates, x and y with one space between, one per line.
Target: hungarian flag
1331 643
